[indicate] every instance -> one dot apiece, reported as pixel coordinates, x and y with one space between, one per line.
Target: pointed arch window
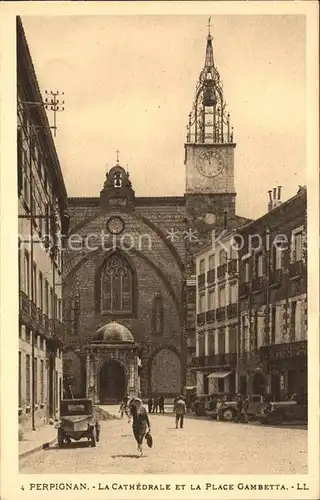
157 316
116 286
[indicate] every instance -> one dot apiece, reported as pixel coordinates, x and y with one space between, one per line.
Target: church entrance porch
111 382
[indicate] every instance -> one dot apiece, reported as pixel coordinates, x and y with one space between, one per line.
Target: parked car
294 409
205 404
78 420
228 410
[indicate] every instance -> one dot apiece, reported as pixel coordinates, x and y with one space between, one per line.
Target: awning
219 374
191 387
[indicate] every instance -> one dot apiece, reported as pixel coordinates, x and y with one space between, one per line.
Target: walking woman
140 423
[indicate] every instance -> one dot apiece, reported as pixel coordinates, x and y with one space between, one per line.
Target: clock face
210 163
115 225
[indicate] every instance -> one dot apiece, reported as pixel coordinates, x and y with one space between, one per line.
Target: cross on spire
209 25
117 151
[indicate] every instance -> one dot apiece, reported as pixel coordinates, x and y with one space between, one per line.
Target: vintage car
205 404
294 409
228 410
78 419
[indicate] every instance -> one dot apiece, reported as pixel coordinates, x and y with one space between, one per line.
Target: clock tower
209 150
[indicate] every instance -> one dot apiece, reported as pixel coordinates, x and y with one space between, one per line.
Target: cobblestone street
202 447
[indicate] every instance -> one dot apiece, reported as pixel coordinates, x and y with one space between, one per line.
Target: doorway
112 382
259 384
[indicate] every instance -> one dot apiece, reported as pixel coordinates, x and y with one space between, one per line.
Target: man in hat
180 411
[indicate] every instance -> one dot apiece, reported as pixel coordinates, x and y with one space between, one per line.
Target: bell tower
209 148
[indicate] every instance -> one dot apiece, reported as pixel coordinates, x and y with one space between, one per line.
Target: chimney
274 198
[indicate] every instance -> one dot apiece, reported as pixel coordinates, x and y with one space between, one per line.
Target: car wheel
228 415
93 438
60 438
278 418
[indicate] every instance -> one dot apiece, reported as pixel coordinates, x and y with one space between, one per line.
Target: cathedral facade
129 281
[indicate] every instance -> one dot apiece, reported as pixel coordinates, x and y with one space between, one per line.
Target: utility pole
53 104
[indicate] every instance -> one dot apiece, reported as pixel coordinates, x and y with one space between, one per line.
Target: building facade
273 299
217 317
140 275
42 204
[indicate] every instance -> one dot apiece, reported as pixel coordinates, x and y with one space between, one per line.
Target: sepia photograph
162 249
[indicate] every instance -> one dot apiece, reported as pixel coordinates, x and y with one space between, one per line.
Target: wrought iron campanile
209 122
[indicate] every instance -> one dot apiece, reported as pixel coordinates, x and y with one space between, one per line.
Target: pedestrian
218 406
155 405
140 422
150 404
245 406
239 407
161 404
180 411
122 409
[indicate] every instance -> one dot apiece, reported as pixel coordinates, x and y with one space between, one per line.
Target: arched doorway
112 382
258 384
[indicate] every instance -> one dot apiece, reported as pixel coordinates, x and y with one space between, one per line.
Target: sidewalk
37 440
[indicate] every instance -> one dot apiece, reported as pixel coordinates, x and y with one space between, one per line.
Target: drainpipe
238 331
33 392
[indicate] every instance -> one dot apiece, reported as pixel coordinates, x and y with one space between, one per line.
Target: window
245 271
157 316
293 320
211 343
273 323
258 265
51 304
28 379
233 339
277 257
40 291
116 286
297 250
26 278
35 380
20 380
222 296
222 257
41 381
211 300
201 341
19 262
202 303
221 342
202 266
34 283
211 262
233 290
46 298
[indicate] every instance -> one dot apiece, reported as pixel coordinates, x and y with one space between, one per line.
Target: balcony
211 276
224 359
210 316
276 277
284 351
244 289
257 284
24 307
56 328
221 313
232 266
201 319
201 279
34 314
40 320
232 310
221 271
296 269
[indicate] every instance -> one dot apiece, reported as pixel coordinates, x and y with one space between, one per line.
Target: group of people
155 404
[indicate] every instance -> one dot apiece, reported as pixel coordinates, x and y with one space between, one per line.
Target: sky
129 84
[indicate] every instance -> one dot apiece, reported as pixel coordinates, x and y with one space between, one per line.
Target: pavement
36 440
203 446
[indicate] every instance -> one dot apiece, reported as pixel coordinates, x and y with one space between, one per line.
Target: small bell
209 97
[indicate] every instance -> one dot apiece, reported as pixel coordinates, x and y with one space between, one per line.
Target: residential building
215 363
273 299
42 205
